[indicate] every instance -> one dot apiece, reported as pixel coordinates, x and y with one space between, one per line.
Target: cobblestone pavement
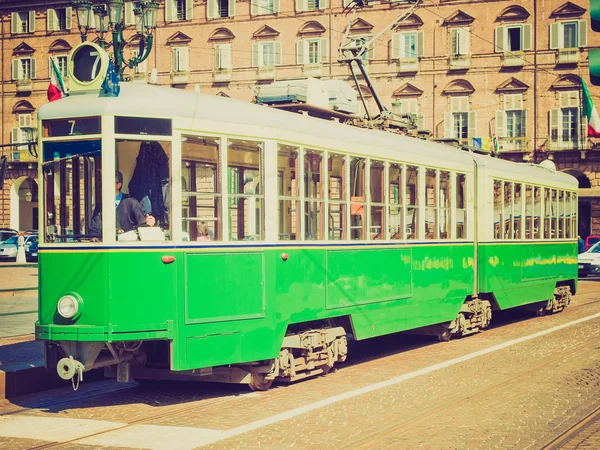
17 276
18 313
506 388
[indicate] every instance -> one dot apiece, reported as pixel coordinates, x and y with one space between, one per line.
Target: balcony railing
513 59
563 143
24 85
180 77
222 75
567 56
458 62
266 73
20 153
514 144
408 65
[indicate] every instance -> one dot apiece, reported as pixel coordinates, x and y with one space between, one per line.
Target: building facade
500 75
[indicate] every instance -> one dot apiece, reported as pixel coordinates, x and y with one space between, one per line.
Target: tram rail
575 430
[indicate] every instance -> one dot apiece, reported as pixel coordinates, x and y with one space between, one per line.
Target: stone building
477 72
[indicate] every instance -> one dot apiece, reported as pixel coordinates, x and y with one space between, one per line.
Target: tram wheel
445 336
259 383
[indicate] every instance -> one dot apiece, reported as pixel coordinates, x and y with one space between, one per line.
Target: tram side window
561 215
431 204
528 211
412 201
537 212
377 213
396 196
568 213
73 190
498 209
289 200
246 198
146 190
507 215
517 211
358 221
336 219
461 216
444 205
201 188
313 196
574 208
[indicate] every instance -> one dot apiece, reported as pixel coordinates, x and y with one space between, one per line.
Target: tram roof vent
548 164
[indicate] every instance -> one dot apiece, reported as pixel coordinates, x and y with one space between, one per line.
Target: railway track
572 432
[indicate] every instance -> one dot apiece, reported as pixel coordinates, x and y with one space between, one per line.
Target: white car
8 249
589 261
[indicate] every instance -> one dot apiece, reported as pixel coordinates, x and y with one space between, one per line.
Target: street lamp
109 17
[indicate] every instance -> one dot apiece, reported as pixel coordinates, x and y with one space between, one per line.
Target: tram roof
143 100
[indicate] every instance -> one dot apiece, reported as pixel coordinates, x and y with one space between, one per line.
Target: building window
511 123
222 56
264 7
23 133
178 10
220 8
23 69
180 60
266 54
61 65
460 123
407 45
22 22
311 51
59 19
459 42
513 38
370 53
310 5
409 108
565 125
572 34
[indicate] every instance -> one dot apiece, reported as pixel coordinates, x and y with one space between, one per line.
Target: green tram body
232 303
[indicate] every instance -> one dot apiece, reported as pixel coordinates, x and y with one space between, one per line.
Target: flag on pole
111 86
589 109
56 89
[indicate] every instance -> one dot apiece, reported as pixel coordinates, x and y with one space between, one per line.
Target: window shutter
396 49
16 65
129 17
472 132
184 60
14 23
582 29
254 8
464 41
569 99
322 4
25 121
454 41
69 18
15 135
255 55
524 122
276 7
526 37
50 21
499 41
300 52
231 8
175 60
500 123
277 53
324 51
448 125
189 9
346 2
217 57
301 5
420 43
33 74
226 56
370 50
170 12
31 21
554 124
554 35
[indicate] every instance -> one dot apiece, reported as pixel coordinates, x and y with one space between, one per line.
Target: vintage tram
277 238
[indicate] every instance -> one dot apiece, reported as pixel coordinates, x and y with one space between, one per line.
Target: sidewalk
18 277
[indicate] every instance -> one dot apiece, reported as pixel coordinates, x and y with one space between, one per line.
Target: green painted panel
538 262
367 276
215 350
224 286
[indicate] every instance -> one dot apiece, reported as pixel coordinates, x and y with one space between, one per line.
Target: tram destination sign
79 126
87 67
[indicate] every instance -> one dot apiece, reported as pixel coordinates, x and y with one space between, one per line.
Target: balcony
24 85
312 70
514 144
459 62
406 65
19 153
222 75
513 59
180 77
567 56
555 142
266 73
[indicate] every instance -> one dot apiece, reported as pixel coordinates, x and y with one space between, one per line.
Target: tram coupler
70 369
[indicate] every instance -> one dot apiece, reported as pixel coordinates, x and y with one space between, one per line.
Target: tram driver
129 213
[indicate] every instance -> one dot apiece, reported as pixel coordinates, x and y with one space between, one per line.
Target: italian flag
56 89
590 112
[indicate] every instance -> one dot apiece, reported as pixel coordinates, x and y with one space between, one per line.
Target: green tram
278 237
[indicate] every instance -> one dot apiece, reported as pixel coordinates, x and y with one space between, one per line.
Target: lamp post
107 16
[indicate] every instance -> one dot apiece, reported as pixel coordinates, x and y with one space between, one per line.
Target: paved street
18 313
529 383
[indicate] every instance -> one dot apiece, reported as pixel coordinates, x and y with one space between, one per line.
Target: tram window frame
358 222
396 200
336 185
153 126
444 204
461 205
537 212
498 205
554 214
529 211
431 202
561 214
377 200
507 210
313 198
288 190
547 214
517 210
411 192
252 153
574 214
195 192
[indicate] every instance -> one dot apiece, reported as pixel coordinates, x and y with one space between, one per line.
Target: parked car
31 251
589 261
8 249
5 233
590 241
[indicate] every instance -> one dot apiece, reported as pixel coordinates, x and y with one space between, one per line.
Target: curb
12 266
18 289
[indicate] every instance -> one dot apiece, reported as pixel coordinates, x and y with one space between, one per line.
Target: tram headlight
69 306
